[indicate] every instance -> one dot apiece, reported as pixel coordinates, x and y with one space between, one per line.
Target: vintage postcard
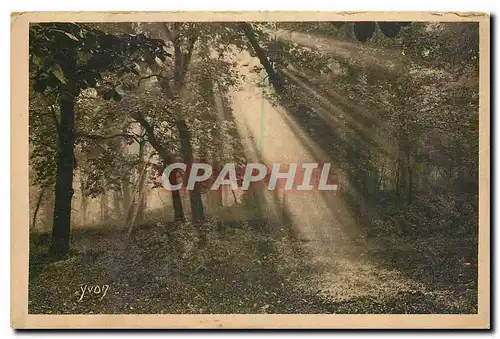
250 170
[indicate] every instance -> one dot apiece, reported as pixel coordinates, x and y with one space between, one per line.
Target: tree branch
187 56
170 35
274 78
177 62
174 38
105 137
162 151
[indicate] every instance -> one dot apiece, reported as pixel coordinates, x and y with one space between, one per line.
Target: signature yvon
96 290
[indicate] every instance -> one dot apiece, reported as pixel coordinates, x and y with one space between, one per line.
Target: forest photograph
279 167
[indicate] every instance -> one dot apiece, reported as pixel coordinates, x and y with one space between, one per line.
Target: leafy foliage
42 140
394 107
79 60
71 57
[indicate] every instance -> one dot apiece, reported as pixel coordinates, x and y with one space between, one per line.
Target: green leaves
40 83
88 78
59 74
75 55
390 29
364 30
338 24
116 96
42 140
111 93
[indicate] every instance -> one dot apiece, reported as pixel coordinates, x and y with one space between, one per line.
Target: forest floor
304 253
254 267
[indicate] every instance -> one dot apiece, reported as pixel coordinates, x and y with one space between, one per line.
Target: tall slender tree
66 58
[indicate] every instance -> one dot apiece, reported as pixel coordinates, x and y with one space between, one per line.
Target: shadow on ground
254 267
445 263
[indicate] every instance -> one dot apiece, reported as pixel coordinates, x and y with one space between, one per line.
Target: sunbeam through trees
253 167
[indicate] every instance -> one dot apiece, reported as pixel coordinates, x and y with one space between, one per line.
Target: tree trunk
117 205
218 195
181 64
37 208
197 211
275 79
176 199
167 159
142 203
135 205
178 210
104 207
126 193
83 202
234 197
219 138
64 181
